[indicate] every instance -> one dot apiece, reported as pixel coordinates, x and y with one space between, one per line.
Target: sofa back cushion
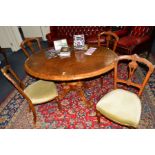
141 31
69 31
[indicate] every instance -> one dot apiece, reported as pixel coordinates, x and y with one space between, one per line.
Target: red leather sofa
67 32
132 39
135 39
121 31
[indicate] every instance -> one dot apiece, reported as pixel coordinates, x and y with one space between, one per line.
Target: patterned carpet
75 114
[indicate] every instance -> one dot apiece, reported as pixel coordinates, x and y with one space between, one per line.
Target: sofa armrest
50 36
141 40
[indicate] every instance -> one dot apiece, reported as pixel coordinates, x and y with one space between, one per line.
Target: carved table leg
80 88
66 89
77 86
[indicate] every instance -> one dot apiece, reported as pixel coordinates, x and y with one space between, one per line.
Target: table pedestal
76 86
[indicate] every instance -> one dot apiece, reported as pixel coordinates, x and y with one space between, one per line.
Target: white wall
10 37
35 31
45 30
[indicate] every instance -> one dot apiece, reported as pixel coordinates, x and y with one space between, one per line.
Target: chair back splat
12 77
133 64
108 37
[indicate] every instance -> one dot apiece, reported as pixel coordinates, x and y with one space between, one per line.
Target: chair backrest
110 38
28 42
133 64
12 77
18 84
15 80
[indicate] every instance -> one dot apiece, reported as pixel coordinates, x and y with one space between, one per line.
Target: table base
78 87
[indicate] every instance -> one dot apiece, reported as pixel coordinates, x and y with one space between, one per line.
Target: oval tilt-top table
71 70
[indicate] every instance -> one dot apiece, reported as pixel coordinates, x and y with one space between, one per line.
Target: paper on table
90 51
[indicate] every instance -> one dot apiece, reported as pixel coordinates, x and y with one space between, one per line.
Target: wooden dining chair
37 93
29 42
123 106
108 39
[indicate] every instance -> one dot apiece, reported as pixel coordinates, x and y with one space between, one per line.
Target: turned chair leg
31 107
34 115
34 118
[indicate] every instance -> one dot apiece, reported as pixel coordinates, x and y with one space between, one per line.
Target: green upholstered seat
121 106
41 91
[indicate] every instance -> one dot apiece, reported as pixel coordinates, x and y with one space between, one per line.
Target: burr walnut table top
78 66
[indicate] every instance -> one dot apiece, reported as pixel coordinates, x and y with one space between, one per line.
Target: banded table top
76 67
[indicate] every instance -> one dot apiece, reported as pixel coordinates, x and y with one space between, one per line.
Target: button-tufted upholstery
121 30
67 32
140 31
138 39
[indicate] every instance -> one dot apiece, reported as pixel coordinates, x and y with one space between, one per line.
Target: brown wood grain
78 66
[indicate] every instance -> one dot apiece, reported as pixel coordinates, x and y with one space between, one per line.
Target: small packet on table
90 51
65 52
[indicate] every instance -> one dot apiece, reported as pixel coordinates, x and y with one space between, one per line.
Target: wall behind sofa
10 37
35 31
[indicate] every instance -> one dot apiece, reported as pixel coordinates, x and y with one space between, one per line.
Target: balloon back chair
29 42
36 93
108 39
123 106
